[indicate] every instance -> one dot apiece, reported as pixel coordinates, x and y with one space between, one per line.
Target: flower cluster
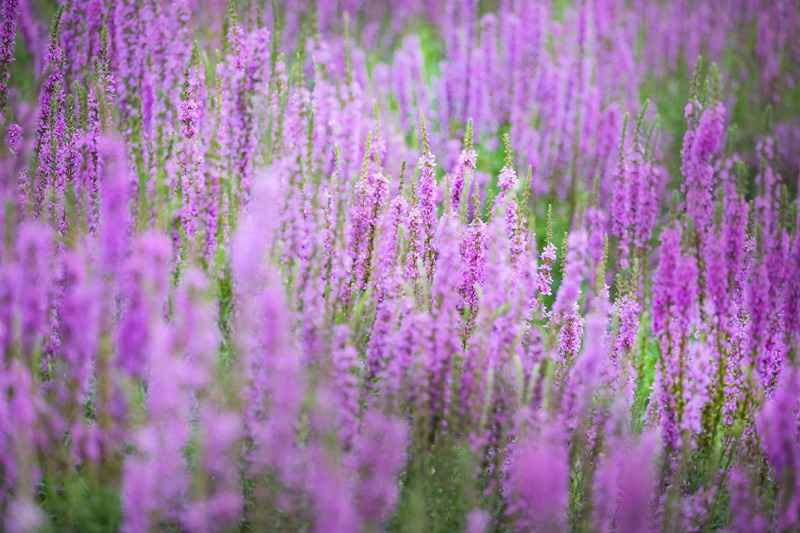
399 265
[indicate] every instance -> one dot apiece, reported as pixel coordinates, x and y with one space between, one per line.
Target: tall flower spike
347 368
33 254
467 160
674 307
544 278
8 32
14 137
428 201
379 454
538 486
508 176
703 138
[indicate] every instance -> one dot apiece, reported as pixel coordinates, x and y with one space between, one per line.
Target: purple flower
628 312
346 366
33 257
538 484
674 312
507 179
378 455
744 504
14 137
625 480
636 196
700 144
467 160
146 290
8 33
428 201
79 328
777 427
544 277
473 269
478 521
331 493
370 201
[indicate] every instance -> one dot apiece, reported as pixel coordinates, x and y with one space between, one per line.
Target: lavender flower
777 422
674 311
378 456
14 137
145 298
538 487
218 310
428 201
467 160
702 140
8 33
33 254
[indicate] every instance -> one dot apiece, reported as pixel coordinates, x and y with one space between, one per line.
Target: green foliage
79 503
438 489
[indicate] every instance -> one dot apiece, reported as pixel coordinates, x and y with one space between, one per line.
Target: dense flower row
399 265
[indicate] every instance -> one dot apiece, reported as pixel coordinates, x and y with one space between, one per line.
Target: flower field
399 265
